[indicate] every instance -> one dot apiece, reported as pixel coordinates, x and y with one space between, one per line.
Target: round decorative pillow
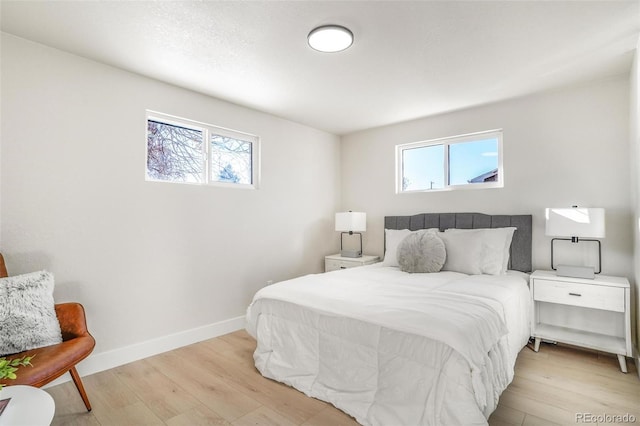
421 252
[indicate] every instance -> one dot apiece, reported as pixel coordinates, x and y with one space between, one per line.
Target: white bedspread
392 348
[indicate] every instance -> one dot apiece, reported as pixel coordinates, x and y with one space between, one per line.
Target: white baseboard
102 361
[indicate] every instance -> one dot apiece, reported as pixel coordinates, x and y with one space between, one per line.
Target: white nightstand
589 313
335 262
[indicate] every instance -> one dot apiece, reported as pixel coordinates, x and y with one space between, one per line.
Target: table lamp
351 223
576 225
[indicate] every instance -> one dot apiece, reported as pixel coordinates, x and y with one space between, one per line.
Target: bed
390 347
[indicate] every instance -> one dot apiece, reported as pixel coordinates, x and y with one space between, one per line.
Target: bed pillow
421 252
494 250
463 252
392 238
27 313
508 237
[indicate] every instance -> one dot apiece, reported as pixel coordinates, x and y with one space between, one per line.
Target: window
459 162
186 151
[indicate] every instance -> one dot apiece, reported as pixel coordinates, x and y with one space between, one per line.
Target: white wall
635 179
149 259
561 148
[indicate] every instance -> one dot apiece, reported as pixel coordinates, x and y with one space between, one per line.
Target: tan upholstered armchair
53 361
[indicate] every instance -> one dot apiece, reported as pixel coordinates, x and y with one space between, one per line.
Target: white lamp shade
351 221
575 222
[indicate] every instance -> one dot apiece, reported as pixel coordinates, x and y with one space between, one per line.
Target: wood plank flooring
215 383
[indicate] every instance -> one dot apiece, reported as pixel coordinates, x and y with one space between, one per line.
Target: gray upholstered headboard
520 257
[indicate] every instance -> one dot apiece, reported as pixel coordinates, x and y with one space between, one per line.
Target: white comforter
391 348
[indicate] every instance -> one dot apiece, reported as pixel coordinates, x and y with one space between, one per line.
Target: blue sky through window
423 167
468 160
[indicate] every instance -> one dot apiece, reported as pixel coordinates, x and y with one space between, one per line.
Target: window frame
446 142
207 130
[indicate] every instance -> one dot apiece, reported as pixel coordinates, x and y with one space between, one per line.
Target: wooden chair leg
78 382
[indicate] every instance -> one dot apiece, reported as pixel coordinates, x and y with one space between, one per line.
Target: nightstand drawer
333 264
577 294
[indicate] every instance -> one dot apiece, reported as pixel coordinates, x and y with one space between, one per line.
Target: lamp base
351 253
587 272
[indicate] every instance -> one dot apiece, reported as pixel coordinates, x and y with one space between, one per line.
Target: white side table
29 406
592 313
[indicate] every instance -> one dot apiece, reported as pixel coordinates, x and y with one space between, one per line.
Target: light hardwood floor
215 382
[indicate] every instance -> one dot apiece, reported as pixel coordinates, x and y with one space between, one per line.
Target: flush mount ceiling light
330 38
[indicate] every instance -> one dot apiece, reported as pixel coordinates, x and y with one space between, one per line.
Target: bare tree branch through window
230 160
177 152
174 153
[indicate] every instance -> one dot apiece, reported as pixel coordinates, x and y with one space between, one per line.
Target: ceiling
409 59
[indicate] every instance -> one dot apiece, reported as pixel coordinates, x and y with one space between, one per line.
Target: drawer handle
575 294
343 267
